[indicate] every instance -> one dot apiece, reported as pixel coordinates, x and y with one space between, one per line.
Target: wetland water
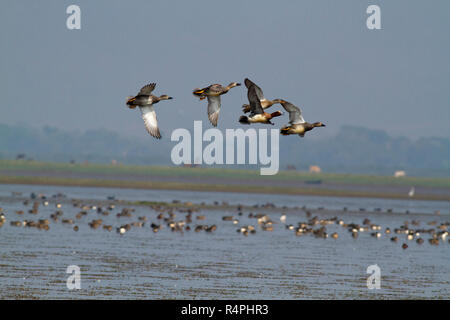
223 264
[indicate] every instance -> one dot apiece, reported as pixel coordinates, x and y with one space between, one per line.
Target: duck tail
198 92
285 131
276 114
244 120
246 108
130 103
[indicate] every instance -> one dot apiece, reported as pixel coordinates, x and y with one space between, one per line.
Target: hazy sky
317 54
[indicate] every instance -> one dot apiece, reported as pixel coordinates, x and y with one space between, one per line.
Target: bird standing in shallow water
145 101
213 93
297 125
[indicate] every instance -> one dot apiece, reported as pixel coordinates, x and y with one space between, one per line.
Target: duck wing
147 89
216 89
213 109
295 114
201 91
255 102
249 83
151 123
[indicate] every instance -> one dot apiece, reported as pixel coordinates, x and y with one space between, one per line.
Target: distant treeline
352 150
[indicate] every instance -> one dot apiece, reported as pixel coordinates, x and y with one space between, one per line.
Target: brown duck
257 114
297 125
213 93
265 103
145 101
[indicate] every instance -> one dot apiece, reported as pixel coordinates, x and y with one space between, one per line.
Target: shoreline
204 187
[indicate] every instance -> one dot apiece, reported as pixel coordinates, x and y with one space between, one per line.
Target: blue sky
318 55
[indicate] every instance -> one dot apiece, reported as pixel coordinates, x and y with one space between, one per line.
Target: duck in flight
265 103
145 101
257 113
213 93
297 125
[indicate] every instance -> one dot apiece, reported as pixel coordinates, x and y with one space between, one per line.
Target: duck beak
323 125
238 84
169 98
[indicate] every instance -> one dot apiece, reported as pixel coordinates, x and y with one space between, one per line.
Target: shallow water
223 264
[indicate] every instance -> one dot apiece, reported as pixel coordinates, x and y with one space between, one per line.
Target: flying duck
265 103
213 93
297 125
145 101
257 114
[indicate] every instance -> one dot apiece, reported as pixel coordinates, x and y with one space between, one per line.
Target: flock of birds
255 108
167 218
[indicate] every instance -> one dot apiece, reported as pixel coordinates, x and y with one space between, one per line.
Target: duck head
233 84
276 114
318 124
165 97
